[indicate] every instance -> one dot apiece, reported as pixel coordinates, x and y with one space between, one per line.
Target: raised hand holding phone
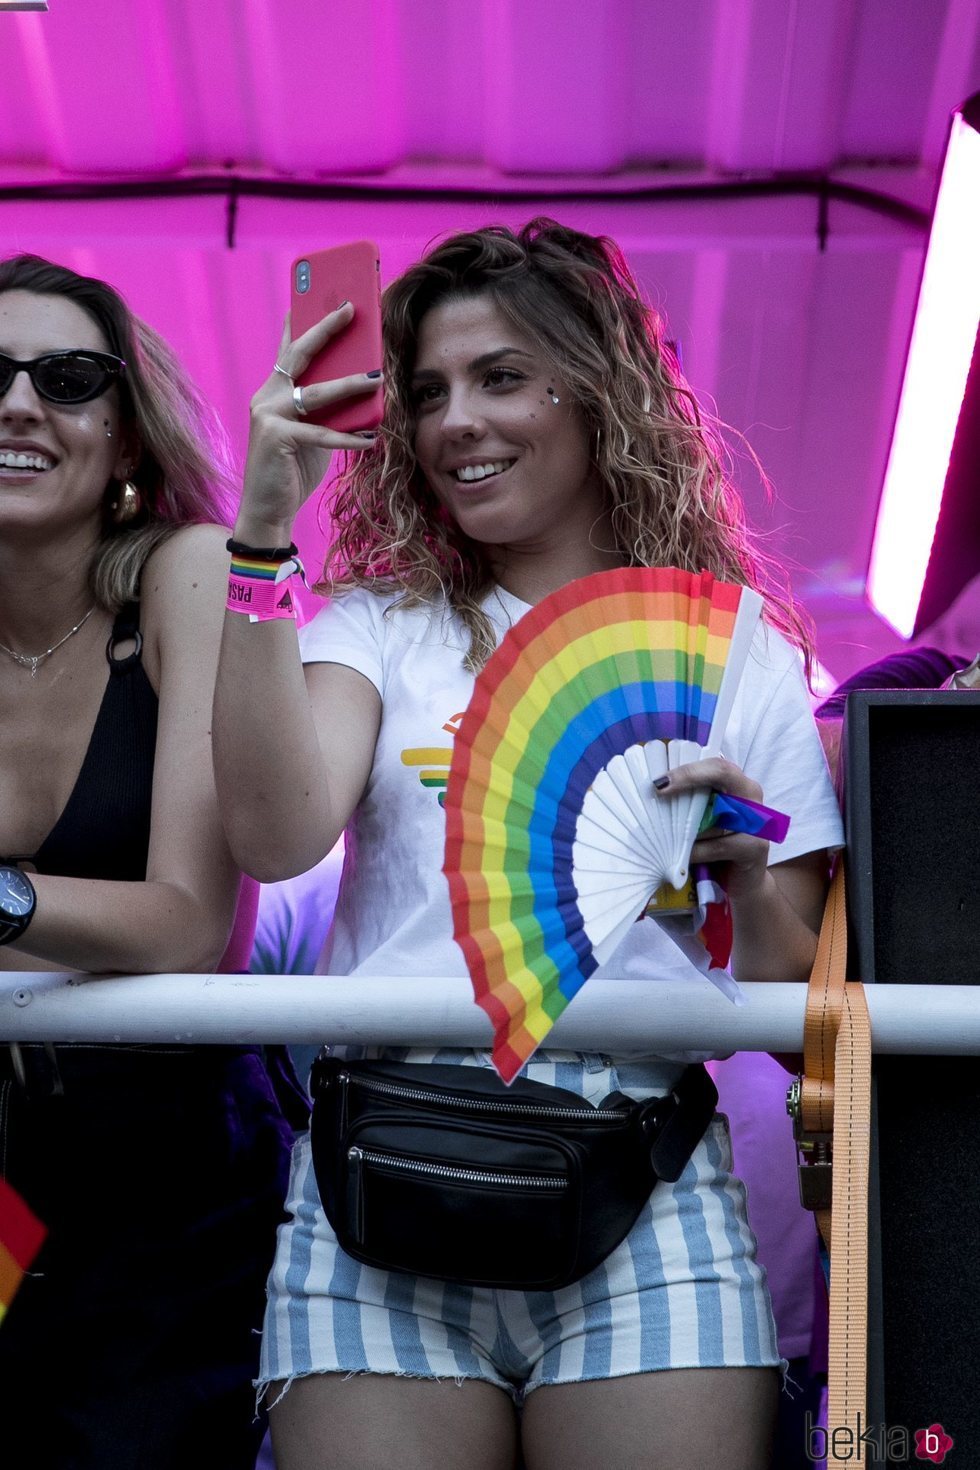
315 400
322 282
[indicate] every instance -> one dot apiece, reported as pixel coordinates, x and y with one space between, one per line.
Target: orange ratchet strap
831 1109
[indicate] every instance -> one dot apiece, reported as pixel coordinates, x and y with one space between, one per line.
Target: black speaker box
912 781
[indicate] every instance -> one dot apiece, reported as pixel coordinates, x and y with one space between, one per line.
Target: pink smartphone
319 282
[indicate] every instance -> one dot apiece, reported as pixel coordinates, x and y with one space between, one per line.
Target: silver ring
278 369
298 401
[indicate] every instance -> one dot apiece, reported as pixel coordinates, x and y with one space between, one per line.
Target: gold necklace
33 661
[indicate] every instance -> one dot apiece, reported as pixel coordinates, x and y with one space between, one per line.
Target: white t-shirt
393 914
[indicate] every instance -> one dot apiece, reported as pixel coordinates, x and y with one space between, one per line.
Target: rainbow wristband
259 589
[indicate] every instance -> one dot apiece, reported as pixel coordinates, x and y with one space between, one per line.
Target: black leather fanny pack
443 1171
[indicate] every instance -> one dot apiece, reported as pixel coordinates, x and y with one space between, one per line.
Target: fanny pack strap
676 1123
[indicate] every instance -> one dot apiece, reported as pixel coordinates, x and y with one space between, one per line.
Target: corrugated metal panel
560 86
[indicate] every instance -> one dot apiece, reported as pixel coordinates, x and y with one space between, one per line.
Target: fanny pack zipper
358 1156
482 1105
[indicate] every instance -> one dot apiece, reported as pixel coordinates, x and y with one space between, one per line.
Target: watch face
16 893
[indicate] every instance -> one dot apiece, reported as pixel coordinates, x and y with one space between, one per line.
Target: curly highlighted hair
183 466
660 458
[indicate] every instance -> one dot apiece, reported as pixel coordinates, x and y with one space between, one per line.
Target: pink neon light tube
943 339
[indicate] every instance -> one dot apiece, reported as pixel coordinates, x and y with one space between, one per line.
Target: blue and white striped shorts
683 1290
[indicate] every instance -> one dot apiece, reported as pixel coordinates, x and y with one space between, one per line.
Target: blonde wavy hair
659 456
182 468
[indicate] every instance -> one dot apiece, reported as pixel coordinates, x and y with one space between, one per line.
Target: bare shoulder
183 588
191 552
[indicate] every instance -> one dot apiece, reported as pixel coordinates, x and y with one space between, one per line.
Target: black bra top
104 830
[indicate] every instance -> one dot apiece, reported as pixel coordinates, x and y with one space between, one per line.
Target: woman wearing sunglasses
158 1170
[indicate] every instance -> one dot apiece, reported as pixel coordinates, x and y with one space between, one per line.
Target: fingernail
374 373
366 434
661 782
343 304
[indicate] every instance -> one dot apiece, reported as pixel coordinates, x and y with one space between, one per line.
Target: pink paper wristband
260 600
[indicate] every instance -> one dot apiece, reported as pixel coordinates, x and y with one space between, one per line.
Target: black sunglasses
64 377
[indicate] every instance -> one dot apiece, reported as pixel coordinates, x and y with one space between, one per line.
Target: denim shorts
683 1290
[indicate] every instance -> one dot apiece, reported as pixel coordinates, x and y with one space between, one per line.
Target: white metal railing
610 1016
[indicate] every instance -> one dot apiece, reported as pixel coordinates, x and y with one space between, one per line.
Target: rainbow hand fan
555 838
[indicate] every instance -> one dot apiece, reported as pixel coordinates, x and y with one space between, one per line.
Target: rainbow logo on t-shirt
433 761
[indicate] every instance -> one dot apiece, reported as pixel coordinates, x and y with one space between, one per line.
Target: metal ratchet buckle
37 1071
816 1154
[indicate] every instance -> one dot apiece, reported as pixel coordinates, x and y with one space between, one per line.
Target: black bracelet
264 553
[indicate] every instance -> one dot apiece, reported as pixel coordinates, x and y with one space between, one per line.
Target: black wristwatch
17 902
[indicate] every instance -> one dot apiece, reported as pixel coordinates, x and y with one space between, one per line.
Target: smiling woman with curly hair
658 455
536 430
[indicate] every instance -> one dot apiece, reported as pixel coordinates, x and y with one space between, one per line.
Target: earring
108 431
127 507
553 396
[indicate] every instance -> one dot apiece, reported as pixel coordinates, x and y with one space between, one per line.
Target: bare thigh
678 1419
370 1421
